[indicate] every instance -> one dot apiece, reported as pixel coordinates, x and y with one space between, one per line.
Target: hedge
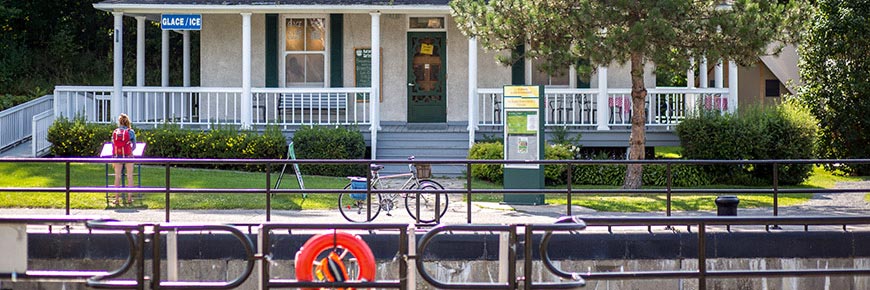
77 138
603 174
321 142
781 132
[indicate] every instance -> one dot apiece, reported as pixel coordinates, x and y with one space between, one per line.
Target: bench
323 101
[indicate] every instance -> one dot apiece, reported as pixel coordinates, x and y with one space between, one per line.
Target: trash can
423 170
727 205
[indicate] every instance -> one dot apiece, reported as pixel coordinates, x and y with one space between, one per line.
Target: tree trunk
634 172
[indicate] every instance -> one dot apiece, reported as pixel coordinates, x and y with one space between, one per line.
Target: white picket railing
207 106
309 106
41 122
15 123
665 107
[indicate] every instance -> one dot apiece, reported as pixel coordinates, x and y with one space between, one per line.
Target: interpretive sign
523 141
362 71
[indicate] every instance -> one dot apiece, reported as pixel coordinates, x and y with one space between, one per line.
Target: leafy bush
782 132
599 174
8 101
682 175
487 151
835 71
557 174
81 139
77 138
320 142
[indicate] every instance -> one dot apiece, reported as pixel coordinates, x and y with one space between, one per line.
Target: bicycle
353 206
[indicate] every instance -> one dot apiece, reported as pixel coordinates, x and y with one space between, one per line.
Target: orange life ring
317 244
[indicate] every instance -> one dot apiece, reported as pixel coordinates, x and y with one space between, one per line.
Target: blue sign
181 21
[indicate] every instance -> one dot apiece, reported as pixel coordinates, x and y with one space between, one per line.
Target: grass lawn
641 203
94 175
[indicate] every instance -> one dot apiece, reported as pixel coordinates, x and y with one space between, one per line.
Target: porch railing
302 106
41 122
15 123
665 107
206 106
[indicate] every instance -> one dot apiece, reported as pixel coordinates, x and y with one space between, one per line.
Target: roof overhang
232 9
784 67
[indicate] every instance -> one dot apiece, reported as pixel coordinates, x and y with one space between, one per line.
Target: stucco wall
357 34
221 50
751 86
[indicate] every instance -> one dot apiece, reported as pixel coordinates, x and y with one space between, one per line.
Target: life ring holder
317 244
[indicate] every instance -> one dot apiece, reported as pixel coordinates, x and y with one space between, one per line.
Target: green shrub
781 132
487 151
8 101
320 142
77 138
557 174
599 174
682 175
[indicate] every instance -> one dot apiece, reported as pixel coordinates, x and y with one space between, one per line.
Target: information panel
522 127
362 71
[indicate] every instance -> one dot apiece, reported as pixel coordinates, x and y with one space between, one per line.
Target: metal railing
16 122
570 192
410 254
704 273
55 275
569 224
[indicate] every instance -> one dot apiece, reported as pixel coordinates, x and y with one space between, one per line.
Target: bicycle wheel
430 190
354 209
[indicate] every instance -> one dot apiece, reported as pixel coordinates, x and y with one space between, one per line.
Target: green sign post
523 140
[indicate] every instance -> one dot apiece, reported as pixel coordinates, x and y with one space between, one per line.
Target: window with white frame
305 52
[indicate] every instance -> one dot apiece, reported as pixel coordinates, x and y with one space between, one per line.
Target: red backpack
121 145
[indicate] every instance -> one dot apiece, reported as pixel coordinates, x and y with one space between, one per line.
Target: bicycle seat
376 167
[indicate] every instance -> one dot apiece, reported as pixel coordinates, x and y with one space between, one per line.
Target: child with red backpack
123 143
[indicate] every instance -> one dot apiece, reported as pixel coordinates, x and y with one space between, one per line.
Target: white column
375 97
472 90
186 58
690 74
703 72
602 107
690 83
572 76
717 74
140 51
118 73
246 71
732 86
164 58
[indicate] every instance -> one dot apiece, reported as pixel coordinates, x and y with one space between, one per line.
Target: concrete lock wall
474 257
487 271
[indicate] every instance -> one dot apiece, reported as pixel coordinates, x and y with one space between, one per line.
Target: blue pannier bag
357 183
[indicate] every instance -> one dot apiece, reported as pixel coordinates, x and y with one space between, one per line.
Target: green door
427 86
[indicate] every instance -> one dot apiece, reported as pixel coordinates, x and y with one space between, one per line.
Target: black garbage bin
727 205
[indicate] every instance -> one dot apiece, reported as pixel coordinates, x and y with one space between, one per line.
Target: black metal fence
142 235
669 190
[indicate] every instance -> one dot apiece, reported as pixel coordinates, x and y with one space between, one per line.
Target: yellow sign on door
426 49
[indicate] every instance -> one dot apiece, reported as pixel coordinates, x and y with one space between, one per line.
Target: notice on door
427 49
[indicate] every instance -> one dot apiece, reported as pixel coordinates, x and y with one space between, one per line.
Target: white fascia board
232 9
